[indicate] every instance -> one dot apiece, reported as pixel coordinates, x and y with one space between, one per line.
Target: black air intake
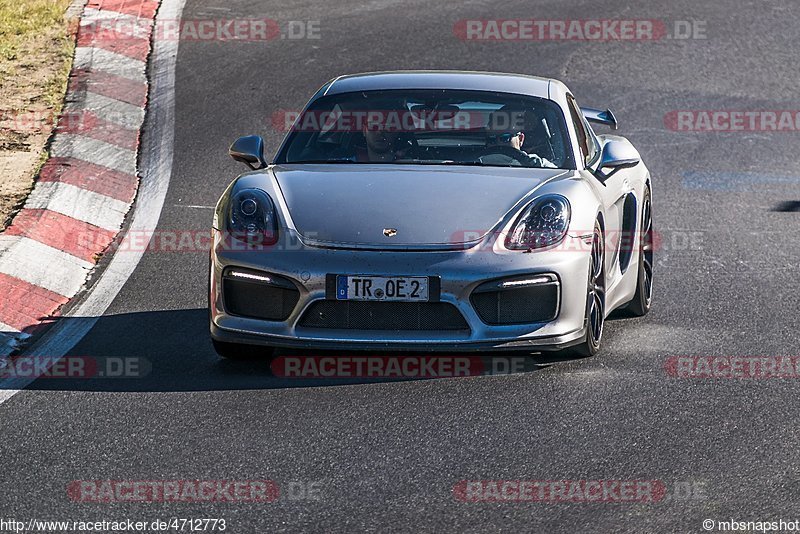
519 300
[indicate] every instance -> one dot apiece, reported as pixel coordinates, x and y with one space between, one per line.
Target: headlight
251 217
543 223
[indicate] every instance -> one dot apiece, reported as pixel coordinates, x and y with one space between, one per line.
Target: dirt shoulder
36 48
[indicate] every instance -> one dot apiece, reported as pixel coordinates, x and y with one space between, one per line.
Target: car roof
442 79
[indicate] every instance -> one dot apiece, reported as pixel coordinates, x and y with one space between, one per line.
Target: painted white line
108 109
100 59
87 206
156 164
94 151
5 329
45 266
8 393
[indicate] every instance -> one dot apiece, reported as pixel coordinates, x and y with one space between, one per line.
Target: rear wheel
643 297
595 300
239 351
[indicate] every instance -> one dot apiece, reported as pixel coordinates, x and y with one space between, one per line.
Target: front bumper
460 271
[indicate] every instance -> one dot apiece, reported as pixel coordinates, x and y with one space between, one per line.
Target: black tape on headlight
544 223
252 219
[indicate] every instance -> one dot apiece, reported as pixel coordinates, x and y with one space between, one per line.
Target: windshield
431 127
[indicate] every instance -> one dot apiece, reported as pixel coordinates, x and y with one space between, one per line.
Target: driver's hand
537 161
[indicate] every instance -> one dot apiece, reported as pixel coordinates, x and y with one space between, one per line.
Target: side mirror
249 150
618 153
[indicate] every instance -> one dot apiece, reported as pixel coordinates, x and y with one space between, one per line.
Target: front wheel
595 300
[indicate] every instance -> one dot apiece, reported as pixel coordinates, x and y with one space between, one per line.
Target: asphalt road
387 454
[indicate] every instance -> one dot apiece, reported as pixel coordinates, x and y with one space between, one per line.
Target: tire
643 298
594 317
242 352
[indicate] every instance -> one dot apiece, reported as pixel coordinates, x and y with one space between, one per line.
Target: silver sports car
433 210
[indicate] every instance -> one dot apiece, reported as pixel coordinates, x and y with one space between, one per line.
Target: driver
504 131
384 142
381 143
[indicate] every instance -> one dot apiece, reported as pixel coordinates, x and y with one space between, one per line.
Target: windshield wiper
471 163
436 162
342 160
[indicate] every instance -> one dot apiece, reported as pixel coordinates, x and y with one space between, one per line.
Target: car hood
439 206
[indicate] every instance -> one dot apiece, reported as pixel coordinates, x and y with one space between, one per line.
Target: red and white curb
88 184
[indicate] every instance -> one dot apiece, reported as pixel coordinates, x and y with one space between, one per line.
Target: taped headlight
252 218
543 223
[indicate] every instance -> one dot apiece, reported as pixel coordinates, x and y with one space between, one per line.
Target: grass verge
36 47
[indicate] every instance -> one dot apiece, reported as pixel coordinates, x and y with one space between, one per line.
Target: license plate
385 288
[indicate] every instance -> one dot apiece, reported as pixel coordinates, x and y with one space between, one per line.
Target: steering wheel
508 151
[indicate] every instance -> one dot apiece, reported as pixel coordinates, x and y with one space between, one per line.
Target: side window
590 148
